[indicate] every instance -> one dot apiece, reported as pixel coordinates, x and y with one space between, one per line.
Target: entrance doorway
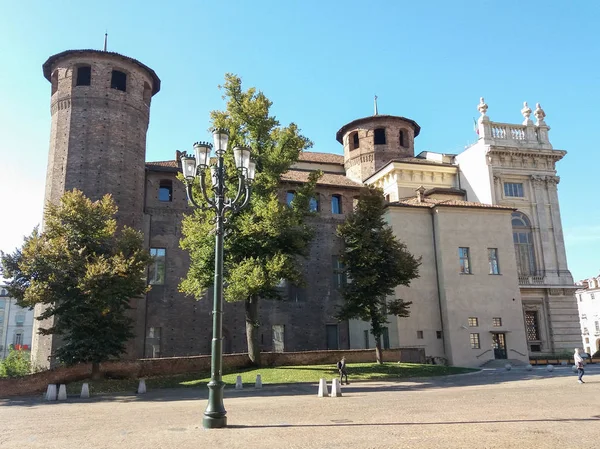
499 345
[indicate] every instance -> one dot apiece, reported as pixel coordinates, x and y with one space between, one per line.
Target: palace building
494 281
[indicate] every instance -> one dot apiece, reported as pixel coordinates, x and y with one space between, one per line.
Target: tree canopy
262 242
374 262
84 271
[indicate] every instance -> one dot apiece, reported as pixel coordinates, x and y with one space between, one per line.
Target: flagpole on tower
375 104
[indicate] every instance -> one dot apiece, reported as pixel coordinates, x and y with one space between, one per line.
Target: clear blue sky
320 62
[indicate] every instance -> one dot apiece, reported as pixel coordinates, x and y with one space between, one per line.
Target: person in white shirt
579 364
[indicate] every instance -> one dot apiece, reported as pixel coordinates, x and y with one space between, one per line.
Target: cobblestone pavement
488 409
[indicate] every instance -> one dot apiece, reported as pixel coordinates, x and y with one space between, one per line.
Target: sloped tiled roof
433 202
327 158
172 164
329 179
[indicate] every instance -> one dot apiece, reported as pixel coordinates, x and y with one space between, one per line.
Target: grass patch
276 375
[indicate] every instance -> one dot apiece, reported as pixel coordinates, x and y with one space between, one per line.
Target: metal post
214 415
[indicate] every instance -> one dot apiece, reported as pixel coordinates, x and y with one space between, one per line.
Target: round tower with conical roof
371 142
100 105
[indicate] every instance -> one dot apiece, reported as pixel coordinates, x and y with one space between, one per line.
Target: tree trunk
378 353
96 374
252 330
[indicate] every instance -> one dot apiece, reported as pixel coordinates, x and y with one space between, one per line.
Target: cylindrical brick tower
100 105
100 109
371 142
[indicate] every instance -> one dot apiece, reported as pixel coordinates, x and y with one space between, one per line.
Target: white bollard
85 391
62 392
508 367
258 381
238 383
550 368
142 387
323 391
529 367
51 392
336 388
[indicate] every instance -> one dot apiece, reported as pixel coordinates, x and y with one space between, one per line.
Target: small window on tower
84 76
118 81
354 142
402 139
54 81
379 138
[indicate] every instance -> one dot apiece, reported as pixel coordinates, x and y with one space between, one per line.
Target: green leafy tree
263 241
16 364
84 272
375 263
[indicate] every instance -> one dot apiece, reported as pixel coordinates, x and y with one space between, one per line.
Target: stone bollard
323 391
142 387
62 392
508 367
529 367
336 388
238 383
85 391
51 392
258 381
550 368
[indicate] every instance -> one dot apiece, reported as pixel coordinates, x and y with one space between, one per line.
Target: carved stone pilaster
538 181
552 181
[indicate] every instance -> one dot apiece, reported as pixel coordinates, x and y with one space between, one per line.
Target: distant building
588 301
494 283
16 324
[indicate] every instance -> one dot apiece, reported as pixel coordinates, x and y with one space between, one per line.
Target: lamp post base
214 422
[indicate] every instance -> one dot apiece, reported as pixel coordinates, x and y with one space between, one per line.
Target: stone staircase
500 363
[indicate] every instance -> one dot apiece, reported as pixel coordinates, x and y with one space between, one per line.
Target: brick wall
37 383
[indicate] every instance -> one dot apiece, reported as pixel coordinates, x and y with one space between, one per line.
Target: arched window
165 190
403 142
523 240
290 197
84 75
336 204
379 137
354 142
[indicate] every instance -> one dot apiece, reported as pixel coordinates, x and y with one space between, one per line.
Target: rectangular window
278 337
20 319
465 262
118 80
385 336
597 323
514 189
420 335
497 322
296 293
84 76
18 340
339 276
592 296
475 341
156 271
473 321
493 260
366 338
165 190
438 334
531 325
153 342
332 336
289 197
313 205
535 348
336 204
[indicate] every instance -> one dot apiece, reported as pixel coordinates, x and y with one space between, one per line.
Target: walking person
579 364
341 366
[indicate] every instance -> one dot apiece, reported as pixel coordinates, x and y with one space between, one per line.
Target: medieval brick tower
371 142
100 106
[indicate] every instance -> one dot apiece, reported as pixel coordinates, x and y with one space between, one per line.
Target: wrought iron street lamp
194 168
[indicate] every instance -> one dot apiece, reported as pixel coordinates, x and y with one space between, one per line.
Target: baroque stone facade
475 301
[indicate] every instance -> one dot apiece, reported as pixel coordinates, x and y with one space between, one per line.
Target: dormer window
354 142
379 137
84 76
118 80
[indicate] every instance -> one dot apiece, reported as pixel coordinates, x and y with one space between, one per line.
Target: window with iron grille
531 325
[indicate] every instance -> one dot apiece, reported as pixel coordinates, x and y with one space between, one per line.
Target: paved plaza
488 409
